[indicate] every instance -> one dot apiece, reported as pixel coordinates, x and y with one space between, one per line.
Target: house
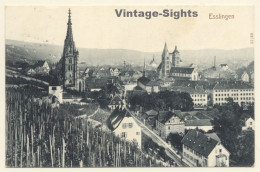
241 92
123 125
223 66
249 124
148 85
41 67
151 114
30 71
169 122
204 151
116 102
202 124
56 90
245 77
114 71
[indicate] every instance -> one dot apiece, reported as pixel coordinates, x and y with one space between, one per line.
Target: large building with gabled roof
204 151
169 122
124 126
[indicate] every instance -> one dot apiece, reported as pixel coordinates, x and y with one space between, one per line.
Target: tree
175 140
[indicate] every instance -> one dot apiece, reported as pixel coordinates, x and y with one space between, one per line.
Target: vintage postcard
129 86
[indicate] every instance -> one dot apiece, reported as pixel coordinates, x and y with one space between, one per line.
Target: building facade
168 122
241 93
249 124
198 95
116 102
124 126
204 151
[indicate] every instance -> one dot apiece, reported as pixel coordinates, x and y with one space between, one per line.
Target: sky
99 27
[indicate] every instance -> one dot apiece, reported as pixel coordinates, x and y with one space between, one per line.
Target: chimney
208 138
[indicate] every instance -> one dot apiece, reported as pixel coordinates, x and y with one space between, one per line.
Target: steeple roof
176 50
69 46
69 36
165 50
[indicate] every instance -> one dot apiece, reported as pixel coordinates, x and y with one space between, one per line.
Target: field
42 136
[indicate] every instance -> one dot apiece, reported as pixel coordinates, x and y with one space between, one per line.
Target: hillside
18 50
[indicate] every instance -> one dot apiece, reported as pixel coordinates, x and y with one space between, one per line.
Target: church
170 67
67 68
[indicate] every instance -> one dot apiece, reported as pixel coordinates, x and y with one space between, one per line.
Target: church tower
70 56
176 60
166 62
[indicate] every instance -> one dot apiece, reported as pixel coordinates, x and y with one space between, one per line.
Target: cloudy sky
99 27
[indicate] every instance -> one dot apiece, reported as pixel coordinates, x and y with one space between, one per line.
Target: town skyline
186 33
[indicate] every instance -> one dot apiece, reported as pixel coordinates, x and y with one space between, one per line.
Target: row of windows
222 103
242 98
241 94
124 134
234 90
125 125
192 151
199 100
180 74
200 95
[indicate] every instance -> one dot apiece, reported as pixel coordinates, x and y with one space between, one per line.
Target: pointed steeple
69 47
165 50
176 50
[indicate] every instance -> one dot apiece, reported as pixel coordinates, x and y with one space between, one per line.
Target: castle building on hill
67 67
171 66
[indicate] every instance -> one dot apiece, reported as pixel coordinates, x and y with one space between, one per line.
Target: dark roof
232 85
96 83
176 50
165 50
116 118
190 90
39 63
160 66
55 82
144 80
116 101
152 83
137 88
187 70
151 112
198 122
199 142
164 116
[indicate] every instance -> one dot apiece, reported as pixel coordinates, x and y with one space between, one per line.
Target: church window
70 60
70 81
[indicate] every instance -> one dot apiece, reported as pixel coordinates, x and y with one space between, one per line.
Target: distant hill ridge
31 52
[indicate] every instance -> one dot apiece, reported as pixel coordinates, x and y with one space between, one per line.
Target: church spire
165 50
69 36
69 47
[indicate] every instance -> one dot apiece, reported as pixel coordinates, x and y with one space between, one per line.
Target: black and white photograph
100 86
